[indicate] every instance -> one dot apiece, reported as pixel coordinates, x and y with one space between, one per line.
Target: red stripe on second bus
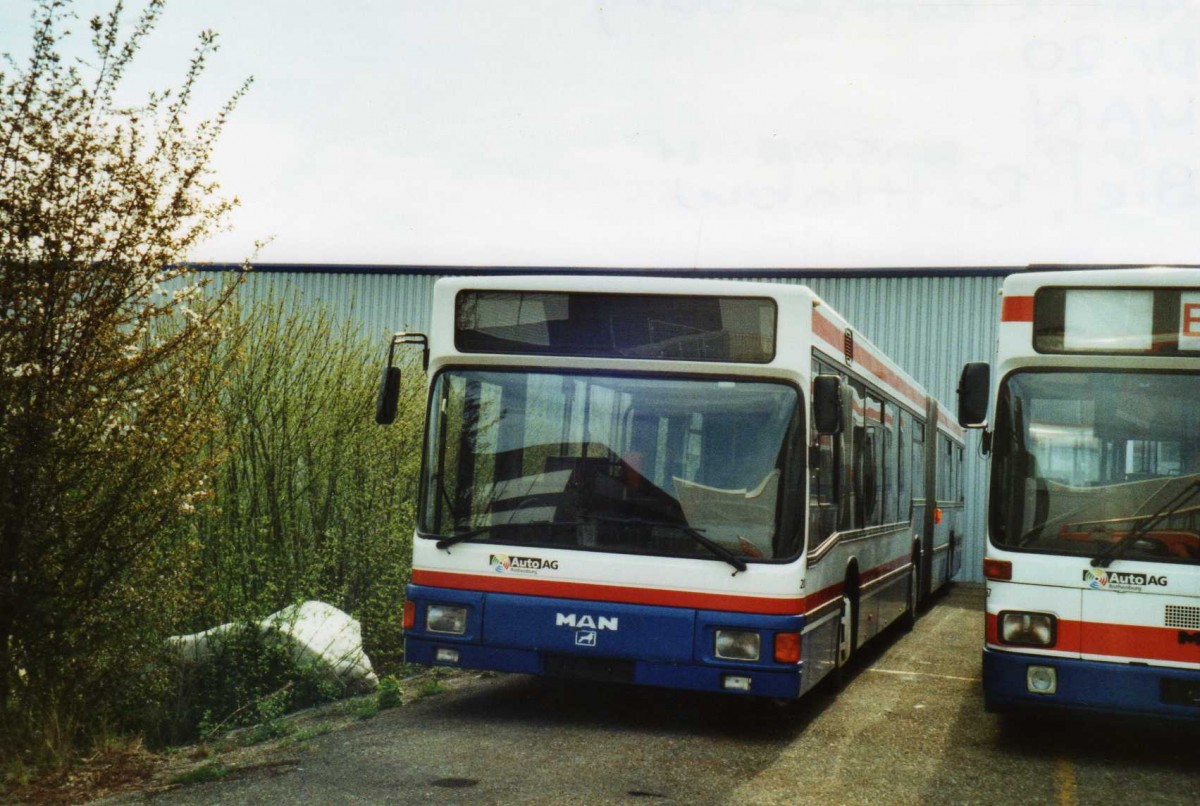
1112 640
1016 309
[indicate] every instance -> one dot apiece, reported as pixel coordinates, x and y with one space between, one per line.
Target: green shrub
389 693
251 678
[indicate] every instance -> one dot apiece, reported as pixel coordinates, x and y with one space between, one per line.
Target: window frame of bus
795 463
1049 321
532 349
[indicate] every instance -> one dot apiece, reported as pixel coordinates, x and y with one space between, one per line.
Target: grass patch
305 735
430 687
265 732
389 693
213 771
364 708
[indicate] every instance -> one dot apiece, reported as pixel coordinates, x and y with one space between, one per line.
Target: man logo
585 622
585 638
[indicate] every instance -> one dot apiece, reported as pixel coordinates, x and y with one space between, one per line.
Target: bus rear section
1093 562
615 487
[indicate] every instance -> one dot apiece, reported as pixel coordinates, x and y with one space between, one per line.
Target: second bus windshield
1082 458
611 463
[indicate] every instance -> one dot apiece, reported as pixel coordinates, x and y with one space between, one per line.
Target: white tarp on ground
318 633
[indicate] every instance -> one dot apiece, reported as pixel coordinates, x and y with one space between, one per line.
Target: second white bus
1093 558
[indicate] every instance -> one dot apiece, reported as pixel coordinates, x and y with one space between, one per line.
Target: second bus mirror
827 405
389 396
973 388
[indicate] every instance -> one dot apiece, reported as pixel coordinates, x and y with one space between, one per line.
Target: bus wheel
909 619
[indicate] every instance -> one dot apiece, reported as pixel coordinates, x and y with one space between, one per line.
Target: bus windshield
1083 459
608 463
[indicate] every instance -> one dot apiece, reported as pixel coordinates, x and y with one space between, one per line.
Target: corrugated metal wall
930 325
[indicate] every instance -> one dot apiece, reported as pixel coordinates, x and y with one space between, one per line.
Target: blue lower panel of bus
648 645
1091 686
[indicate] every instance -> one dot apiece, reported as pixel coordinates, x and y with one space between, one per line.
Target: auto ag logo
1096 580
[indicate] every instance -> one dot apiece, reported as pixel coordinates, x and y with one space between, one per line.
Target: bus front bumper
1086 685
755 682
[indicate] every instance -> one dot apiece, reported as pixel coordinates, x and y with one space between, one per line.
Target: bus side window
891 425
873 472
823 482
858 439
918 461
944 469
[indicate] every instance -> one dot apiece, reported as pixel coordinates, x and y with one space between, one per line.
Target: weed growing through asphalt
430 687
213 771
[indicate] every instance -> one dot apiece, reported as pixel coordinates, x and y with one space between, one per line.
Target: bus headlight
1041 680
1028 629
446 619
737 645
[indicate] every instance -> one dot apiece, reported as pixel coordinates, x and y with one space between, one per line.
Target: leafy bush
104 343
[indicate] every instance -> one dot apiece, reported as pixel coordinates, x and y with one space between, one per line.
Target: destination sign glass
1117 321
640 326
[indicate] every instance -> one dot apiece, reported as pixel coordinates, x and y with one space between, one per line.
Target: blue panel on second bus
610 630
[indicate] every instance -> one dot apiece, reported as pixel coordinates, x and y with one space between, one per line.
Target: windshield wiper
461 535
716 548
465 534
1115 550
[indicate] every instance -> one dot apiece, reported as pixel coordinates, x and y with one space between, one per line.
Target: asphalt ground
907 728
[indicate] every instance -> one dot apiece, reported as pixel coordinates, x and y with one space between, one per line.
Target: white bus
621 481
1093 557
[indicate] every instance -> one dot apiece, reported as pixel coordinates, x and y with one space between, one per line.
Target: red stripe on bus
733 603
1113 640
830 333
826 595
951 426
1017 309
889 376
591 591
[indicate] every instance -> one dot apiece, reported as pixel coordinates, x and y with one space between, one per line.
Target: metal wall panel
930 325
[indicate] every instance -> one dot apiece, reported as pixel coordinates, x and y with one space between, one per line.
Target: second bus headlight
446 619
1028 629
737 645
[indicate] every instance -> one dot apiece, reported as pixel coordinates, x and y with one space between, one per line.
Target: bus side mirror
827 405
388 399
389 396
973 387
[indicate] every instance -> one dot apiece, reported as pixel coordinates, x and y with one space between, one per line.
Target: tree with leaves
107 380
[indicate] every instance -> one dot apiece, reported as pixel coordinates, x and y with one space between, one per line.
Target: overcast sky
717 133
